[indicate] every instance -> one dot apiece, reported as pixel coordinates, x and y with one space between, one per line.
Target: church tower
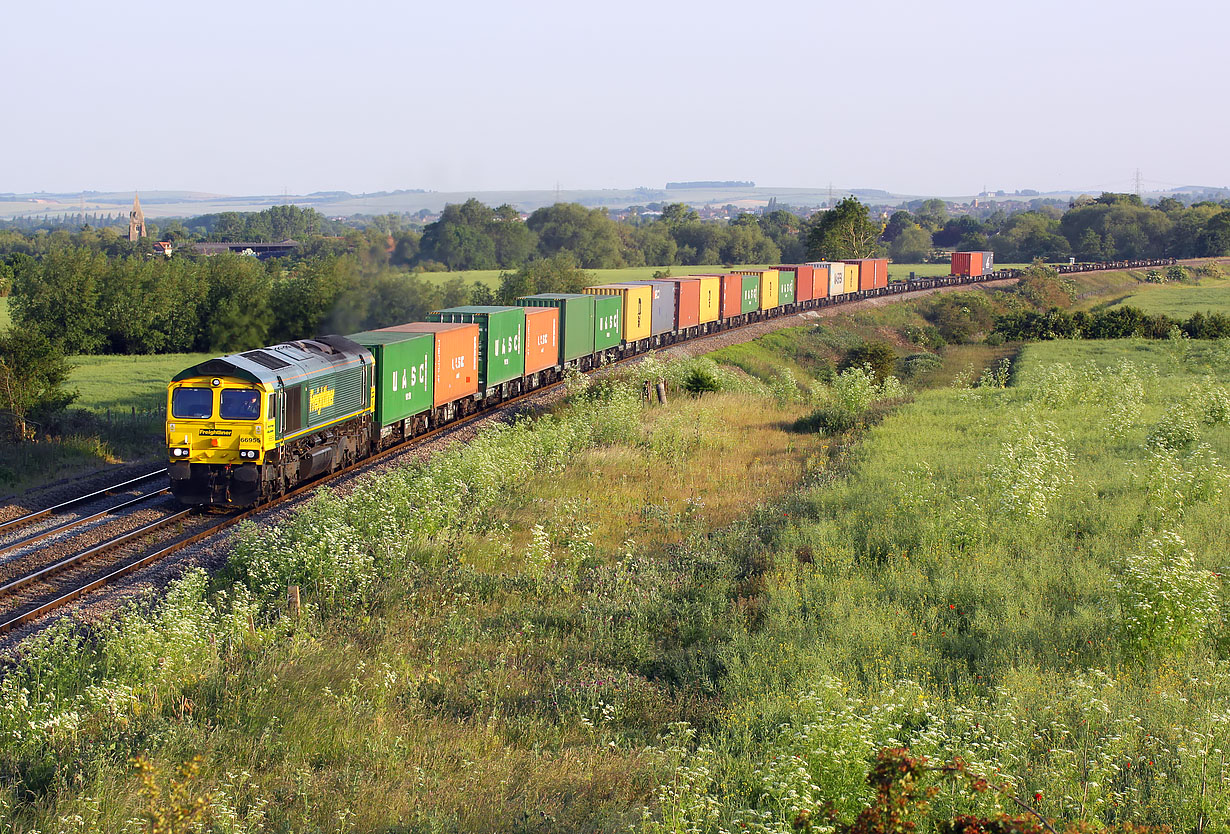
136 220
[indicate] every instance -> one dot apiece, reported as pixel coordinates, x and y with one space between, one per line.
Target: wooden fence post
292 601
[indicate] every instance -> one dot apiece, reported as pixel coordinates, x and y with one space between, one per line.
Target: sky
945 98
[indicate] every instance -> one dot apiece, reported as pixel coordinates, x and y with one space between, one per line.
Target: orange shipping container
541 338
872 272
967 263
732 295
456 357
820 280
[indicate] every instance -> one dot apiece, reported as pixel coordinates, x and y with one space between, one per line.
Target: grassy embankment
1017 575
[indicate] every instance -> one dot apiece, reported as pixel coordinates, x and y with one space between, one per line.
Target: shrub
917 364
1166 602
1030 471
878 357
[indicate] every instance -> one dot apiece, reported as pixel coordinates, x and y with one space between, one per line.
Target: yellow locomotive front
218 431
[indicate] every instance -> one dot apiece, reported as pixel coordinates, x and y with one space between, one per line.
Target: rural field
5 318
121 383
709 615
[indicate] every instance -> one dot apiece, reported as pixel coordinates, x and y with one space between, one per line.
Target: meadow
6 318
122 383
705 616
1179 301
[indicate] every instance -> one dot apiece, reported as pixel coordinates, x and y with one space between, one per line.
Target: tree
32 376
911 245
842 233
558 273
898 223
58 297
932 214
589 234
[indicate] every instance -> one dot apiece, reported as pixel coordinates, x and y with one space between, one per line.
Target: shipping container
820 279
608 321
851 279
787 281
988 263
687 301
455 357
836 275
710 298
663 309
576 321
767 280
541 339
635 313
405 367
872 272
731 303
501 342
967 263
804 282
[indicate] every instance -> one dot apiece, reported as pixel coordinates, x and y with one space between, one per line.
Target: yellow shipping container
638 301
851 277
710 298
769 279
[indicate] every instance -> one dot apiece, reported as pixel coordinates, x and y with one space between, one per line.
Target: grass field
121 383
1178 300
5 317
508 638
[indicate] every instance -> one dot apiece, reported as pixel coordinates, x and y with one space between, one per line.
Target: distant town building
257 250
165 247
136 220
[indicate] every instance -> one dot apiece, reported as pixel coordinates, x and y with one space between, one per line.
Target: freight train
247 428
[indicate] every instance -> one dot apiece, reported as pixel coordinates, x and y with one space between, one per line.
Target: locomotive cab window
192 403
240 404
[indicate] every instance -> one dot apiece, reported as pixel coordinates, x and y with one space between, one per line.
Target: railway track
28 594
65 506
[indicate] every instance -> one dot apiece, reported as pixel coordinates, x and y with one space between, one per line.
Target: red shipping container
967 263
456 357
541 338
732 295
804 282
687 302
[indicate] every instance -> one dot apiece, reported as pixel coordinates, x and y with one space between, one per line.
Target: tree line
83 301
1105 228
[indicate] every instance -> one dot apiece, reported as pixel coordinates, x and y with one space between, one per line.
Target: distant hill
408 200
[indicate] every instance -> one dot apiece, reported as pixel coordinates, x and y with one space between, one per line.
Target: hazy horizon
946 99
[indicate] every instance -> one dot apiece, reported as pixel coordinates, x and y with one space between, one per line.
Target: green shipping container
608 324
576 320
751 294
501 340
404 372
786 279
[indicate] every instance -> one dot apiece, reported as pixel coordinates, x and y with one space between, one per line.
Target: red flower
1037 796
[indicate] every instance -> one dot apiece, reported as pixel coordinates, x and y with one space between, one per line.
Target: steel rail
80 522
37 514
